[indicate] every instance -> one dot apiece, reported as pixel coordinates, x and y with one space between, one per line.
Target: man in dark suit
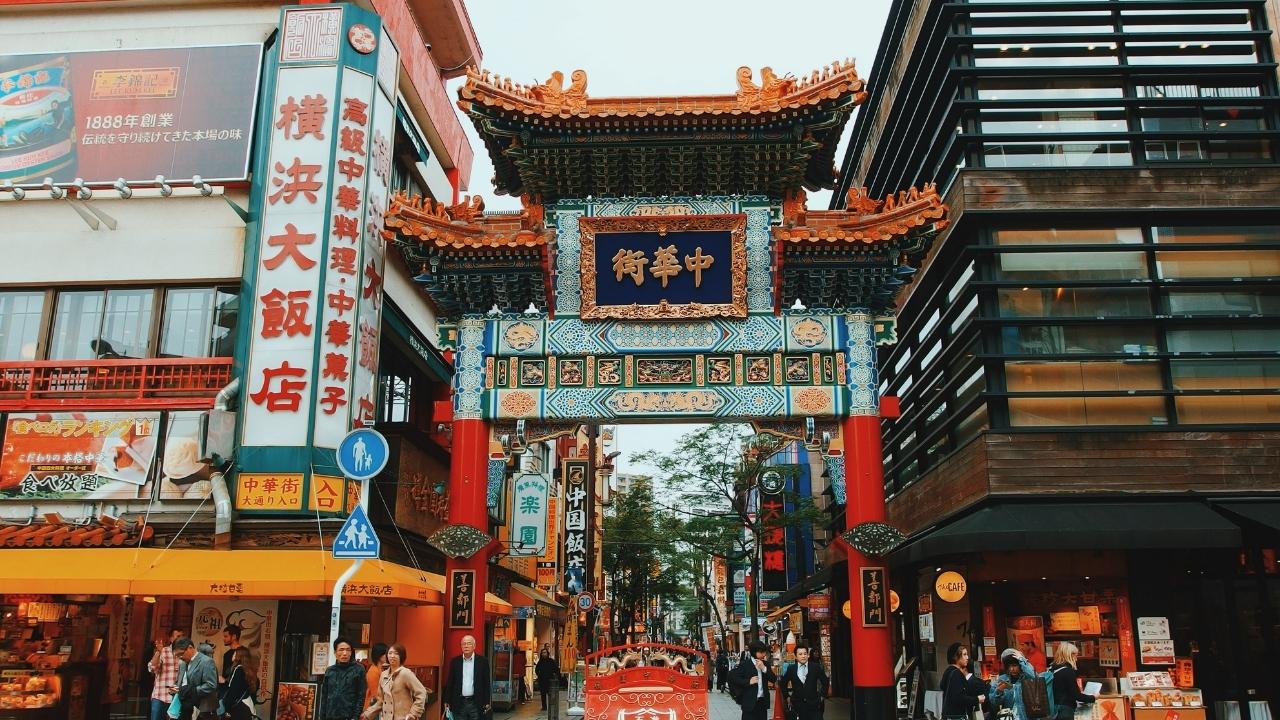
749 682
804 687
467 691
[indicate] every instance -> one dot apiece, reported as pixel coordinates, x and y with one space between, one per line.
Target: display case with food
24 690
1153 696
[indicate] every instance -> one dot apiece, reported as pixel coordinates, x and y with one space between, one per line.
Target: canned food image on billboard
37 123
135 114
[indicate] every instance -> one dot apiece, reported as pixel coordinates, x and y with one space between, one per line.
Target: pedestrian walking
960 688
164 668
1066 690
239 699
377 663
1006 688
198 685
805 687
750 682
401 695
722 670
343 690
519 664
546 672
467 692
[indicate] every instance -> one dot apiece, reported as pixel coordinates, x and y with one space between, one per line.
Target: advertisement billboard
78 455
135 114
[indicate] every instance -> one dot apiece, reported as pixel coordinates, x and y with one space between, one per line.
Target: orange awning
203 573
495 605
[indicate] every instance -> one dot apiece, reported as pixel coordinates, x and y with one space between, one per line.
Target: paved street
721 708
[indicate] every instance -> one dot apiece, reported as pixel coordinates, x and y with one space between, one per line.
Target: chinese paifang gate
665 268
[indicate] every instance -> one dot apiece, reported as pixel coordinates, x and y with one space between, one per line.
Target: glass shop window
1074 302
1066 154
1192 52
1050 266
1049 88
1051 121
1068 411
102 325
20 316
1233 374
1223 339
1186 20
1077 339
1222 302
1025 376
199 322
1072 54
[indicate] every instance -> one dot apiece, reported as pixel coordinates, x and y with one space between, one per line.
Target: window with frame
119 323
21 314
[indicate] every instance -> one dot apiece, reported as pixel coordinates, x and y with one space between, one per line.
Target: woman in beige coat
400 695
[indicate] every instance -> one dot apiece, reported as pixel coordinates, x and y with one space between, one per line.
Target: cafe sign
950 586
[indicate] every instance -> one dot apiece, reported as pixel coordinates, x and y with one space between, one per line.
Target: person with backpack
1066 688
960 688
1007 688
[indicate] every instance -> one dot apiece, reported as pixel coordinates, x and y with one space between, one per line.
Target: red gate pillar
468 479
873 682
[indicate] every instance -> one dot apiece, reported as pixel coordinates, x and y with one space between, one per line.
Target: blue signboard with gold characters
639 268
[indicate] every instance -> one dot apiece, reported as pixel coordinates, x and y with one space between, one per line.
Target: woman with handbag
401 695
961 689
242 687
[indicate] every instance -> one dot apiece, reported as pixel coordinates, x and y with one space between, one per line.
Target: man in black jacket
467 691
749 682
547 673
804 686
343 691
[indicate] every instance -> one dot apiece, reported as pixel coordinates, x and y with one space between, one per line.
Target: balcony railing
112 384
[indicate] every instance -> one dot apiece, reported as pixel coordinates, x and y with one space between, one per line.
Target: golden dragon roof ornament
553 99
865 219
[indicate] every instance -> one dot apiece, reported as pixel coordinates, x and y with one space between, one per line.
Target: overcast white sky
665 47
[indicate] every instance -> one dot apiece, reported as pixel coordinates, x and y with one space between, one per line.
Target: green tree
708 480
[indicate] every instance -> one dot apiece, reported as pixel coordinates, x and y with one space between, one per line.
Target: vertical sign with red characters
281 368
321 187
378 190
342 280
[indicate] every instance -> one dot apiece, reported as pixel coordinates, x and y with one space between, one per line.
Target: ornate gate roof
555 142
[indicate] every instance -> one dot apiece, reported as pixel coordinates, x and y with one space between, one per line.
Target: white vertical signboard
378 191
343 259
529 514
282 350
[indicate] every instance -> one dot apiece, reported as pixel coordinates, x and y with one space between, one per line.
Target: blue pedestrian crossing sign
356 540
363 454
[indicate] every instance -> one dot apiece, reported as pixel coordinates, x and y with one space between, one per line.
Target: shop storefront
87 622
1172 606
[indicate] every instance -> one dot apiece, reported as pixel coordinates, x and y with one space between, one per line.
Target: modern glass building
1088 360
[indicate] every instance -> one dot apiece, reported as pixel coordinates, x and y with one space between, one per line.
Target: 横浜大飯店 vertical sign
323 187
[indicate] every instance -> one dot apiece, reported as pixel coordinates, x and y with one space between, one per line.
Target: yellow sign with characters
951 586
269 491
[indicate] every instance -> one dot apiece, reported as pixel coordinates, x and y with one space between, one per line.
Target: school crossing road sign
357 540
362 454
